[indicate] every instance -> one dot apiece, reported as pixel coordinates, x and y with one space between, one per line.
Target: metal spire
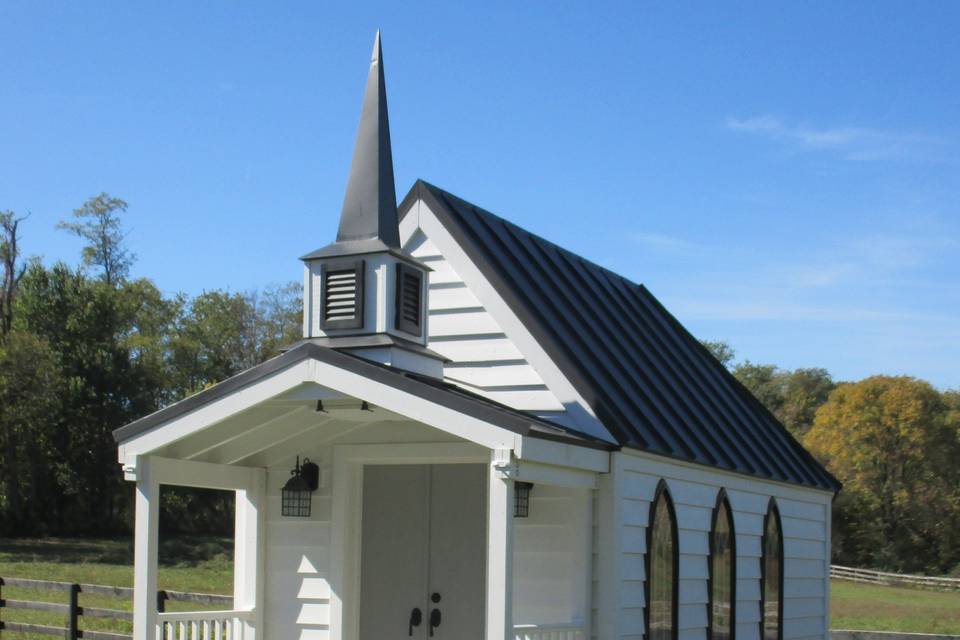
370 206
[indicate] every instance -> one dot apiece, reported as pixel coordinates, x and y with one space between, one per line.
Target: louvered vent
343 296
409 287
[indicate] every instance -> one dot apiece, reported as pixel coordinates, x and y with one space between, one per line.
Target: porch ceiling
274 430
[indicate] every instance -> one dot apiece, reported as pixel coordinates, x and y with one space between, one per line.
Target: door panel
424 532
393 573
458 535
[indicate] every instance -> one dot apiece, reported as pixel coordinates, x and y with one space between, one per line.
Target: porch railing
204 625
548 632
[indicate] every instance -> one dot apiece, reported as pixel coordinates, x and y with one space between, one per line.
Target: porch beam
146 539
189 473
499 551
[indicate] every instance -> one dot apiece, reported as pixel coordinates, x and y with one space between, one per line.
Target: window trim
772 511
662 491
722 499
359 268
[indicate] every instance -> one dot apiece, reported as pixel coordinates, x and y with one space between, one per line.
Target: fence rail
891 579
74 612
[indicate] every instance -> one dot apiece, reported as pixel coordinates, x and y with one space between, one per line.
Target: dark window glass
722 576
662 563
772 575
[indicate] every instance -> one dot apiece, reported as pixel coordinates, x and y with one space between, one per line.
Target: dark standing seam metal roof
650 382
437 391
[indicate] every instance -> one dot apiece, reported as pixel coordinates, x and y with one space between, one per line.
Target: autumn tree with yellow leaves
893 442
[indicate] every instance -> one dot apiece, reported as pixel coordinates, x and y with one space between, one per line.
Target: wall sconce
295 497
521 499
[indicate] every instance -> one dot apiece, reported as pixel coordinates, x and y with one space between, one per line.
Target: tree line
894 443
85 349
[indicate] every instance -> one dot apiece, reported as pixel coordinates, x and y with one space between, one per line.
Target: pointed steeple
364 293
370 205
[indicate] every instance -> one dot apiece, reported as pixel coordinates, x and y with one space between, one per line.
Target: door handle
416 617
435 618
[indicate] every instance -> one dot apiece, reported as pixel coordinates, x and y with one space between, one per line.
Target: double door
423 552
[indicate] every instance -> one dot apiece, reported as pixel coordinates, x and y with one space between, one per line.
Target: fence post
73 624
162 598
2 603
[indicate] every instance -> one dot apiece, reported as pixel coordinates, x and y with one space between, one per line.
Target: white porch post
248 554
145 553
499 551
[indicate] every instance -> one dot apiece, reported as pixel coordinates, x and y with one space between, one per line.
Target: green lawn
860 606
195 564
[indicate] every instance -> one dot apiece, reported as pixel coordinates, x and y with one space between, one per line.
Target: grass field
199 565
203 565
860 606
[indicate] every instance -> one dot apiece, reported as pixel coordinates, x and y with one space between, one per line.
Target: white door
423 549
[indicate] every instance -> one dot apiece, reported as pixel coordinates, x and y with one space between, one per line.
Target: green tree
792 396
765 382
31 387
93 328
804 391
721 350
98 222
221 334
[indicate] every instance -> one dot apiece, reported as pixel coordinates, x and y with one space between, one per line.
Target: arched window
771 576
723 571
662 567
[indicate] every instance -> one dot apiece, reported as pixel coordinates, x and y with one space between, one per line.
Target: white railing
885 578
548 632
204 625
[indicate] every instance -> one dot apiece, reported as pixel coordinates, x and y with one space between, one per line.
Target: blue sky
781 175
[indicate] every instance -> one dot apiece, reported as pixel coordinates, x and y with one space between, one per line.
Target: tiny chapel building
484 436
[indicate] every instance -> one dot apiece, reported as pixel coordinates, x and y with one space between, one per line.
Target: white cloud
853 143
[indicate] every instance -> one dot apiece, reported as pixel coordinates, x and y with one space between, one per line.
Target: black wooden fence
73 611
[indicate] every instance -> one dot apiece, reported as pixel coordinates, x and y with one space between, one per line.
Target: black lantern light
295 497
521 499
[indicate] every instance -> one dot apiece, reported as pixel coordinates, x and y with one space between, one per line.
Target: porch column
499 552
248 551
145 552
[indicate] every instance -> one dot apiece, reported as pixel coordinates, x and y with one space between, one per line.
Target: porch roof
436 391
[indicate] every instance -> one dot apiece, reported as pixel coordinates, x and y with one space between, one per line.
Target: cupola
363 293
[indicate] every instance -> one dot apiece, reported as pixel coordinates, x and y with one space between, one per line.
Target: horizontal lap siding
550 558
694 492
297 599
483 359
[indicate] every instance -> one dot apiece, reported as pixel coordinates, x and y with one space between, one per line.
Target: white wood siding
483 358
551 558
298 561
621 534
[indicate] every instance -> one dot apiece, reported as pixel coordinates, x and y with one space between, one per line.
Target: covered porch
327 575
